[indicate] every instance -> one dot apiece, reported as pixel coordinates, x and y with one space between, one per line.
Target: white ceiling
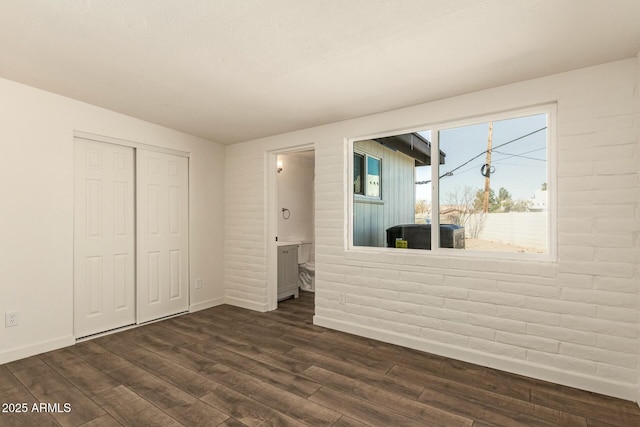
235 70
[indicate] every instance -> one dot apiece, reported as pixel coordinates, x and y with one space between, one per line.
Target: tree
521 205
422 207
505 203
503 194
478 203
459 205
461 210
544 186
501 203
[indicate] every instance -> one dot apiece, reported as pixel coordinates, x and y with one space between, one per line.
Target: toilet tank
304 250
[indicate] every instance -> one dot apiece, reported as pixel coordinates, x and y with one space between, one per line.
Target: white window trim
551 256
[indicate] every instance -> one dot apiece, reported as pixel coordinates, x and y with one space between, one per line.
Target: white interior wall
295 192
36 213
574 321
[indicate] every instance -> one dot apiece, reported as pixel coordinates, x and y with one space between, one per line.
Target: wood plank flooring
231 367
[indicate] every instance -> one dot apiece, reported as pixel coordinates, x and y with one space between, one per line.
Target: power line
521 165
522 154
500 160
527 152
428 181
497 146
519 155
450 173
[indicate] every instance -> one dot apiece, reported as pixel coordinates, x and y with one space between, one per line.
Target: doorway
291 221
131 231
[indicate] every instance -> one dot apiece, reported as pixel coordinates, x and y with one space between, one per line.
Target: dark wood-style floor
232 367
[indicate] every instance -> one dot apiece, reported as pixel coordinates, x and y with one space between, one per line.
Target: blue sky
520 166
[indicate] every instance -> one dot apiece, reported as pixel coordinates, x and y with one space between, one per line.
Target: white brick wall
573 321
245 222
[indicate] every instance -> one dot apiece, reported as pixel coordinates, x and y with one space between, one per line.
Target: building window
488 191
366 175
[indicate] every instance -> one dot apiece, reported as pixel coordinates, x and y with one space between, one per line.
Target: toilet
306 267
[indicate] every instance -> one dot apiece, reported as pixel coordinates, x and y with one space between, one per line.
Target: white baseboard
520 367
32 350
206 304
251 305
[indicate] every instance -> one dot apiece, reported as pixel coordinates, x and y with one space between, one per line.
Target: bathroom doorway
292 219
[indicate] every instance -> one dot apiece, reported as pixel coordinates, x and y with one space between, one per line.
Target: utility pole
487 173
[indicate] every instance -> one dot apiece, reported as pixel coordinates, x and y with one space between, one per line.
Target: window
488 191
366 175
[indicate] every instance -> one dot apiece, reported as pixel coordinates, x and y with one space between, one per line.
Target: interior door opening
295 224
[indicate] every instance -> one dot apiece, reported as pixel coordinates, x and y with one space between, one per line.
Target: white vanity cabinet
287 271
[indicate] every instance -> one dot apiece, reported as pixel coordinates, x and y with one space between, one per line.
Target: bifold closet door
104 245
162 234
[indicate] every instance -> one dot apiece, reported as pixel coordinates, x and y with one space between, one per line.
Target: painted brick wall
245 222
574 321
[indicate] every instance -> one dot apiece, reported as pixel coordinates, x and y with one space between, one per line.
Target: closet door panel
162 234
104 237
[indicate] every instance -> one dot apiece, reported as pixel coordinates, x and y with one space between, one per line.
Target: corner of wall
203 305
243 303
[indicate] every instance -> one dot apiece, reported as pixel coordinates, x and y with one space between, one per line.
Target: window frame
550 109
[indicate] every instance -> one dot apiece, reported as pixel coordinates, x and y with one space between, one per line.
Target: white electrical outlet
10 319
198 283
343 298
